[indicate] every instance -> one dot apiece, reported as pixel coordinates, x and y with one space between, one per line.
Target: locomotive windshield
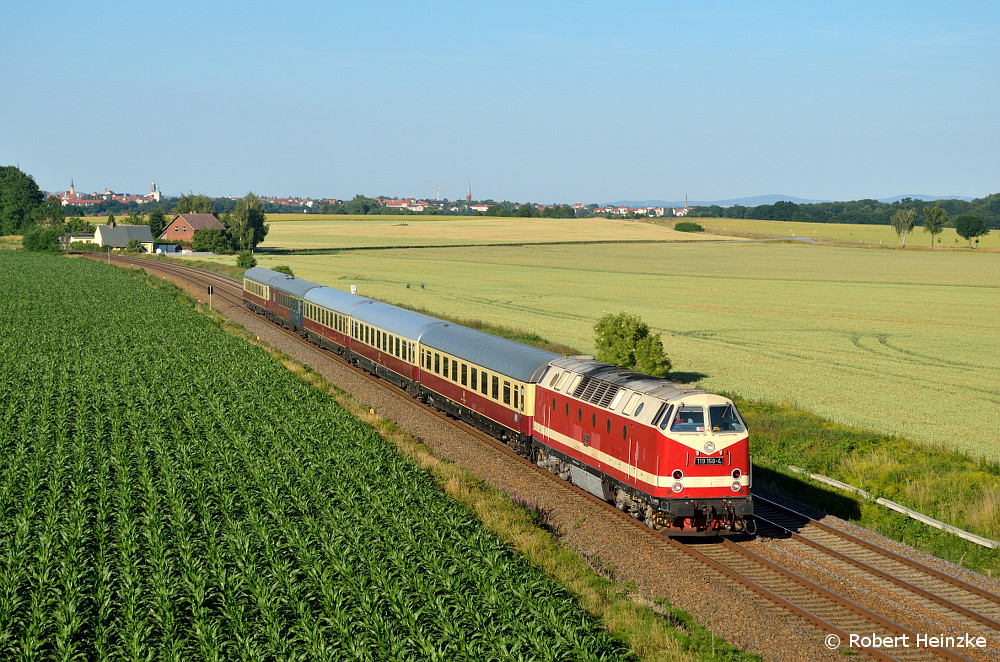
725 419
688 419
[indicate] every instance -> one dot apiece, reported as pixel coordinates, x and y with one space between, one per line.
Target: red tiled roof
201 221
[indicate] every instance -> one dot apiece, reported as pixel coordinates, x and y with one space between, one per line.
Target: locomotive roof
514 359
396 320
625 378
334 299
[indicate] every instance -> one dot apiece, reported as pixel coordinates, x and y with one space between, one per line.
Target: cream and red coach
675 457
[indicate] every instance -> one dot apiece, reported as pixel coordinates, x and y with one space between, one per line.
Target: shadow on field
686 377
817 499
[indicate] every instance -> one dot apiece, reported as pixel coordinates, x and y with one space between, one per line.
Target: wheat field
900 342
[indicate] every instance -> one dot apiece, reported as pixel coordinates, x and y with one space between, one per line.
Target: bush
285 269
134 246
625 340
87 246
246 260
688 226
42 239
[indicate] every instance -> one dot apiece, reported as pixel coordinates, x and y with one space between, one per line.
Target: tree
134 246
157 222
970 226
247 223
526 211
194 204
934 220
20 198
625 340
51 212
903 221
212 241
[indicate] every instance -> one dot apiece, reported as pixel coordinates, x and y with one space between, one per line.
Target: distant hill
756 200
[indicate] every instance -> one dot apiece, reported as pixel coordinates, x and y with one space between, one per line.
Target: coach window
465 375
397 348
516 406
472 383
454 371
506 392
483 383
496 387
437 363
445 373
522 398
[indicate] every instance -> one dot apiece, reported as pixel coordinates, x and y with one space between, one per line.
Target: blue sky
536 101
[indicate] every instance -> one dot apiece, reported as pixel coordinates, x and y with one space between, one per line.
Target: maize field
169 492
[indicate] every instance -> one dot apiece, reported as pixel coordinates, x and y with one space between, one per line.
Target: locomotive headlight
678 474
736 486
736 474
709 446
677 487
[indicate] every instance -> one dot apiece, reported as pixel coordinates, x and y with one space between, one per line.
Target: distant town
108 201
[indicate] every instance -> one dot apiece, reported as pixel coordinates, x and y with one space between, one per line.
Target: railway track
945 598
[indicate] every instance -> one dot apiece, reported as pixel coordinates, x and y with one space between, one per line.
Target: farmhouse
183 227
118 236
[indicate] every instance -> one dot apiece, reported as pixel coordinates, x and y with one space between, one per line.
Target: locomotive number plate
708 460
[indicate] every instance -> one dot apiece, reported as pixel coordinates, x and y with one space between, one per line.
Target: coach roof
334 299
291 285
522 362
261 275
400 321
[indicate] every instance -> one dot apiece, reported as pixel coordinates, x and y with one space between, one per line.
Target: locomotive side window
666 418
724 418
562 378
688 419
617 401
593 420
631 403
609 426
579 415
555 376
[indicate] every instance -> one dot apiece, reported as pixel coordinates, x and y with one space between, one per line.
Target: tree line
863 212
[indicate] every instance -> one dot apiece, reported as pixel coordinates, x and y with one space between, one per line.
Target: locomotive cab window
688 419
725 418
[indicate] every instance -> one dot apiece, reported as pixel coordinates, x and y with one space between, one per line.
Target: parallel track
783 588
